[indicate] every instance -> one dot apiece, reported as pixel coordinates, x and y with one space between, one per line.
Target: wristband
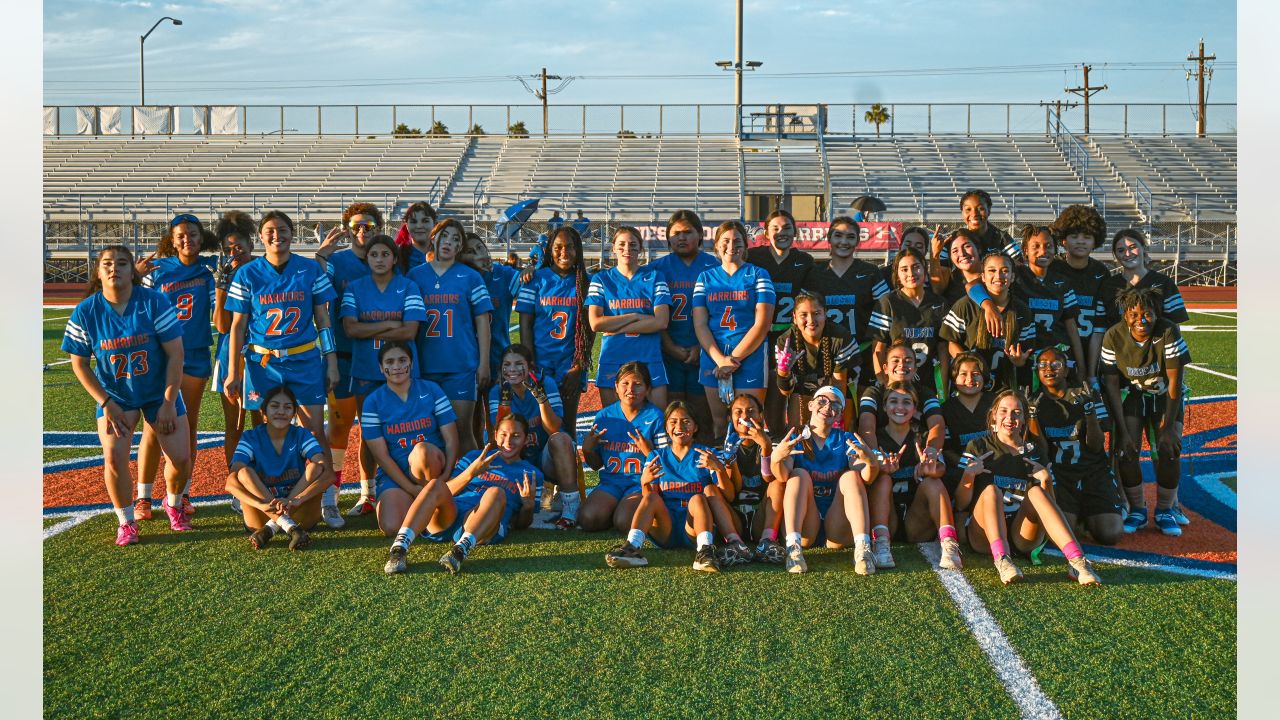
326 341
978 293
766 471
103 405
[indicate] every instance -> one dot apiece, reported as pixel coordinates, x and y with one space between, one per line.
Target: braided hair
583 337
826 352
984 339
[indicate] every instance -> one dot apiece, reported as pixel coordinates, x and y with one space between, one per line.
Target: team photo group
985 391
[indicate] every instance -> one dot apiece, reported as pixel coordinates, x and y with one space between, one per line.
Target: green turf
52 521
1215 351
534 628
1146 644
1230 481
55 454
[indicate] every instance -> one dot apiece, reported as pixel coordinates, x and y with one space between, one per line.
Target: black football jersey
872 401
1171 306
1052 302
836 352
897 317
787 276
746 457
961 326
851 297
1062 423
1142 366
963 425
1085 283
1008 469
994 240
905 476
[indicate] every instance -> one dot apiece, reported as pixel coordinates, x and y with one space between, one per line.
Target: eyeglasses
184 218
1050 364
357 225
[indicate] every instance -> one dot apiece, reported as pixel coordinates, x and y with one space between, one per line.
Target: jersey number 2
287 317
433 320
133 364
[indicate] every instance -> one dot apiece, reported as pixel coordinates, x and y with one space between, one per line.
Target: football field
200 624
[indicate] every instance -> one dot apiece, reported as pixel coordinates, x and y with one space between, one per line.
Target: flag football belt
268 353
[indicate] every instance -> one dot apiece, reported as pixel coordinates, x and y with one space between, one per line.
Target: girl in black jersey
965 327
757 499
914 313
1009 492
813 353
1049 296
900 365
1130 249
964 413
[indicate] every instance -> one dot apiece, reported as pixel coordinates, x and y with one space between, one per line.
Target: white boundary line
69 522
1108 558
1208 328
1217 313
1212 372
60 317
1005 660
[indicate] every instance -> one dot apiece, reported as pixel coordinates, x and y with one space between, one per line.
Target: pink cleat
127 534
178 521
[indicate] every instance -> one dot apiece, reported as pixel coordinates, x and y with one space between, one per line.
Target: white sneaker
363 506
883 555
1081 570
235 505
864 561
331 516
950 559
795 560
1009 573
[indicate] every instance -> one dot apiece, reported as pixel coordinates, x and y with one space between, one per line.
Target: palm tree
476 129
517 129
438 129
878 116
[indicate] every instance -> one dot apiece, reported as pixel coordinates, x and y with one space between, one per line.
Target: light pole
142 61
737 66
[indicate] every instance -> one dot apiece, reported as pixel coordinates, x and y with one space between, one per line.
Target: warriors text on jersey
285 467
405 423
279 301
680 281
366 303
731 300
553 301
452 300
191 290
126 347
617 295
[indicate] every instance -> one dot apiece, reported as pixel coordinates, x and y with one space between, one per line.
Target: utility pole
542 95
1200 72
1085 91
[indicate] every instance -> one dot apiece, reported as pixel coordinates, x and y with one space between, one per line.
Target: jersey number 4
433 321
283 322
131 365
727 321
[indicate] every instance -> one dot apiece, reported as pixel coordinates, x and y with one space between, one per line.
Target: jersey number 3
560 324
131 365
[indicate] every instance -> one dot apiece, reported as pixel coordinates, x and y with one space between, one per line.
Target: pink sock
770 534
879 531
947 531
1072 550
997 549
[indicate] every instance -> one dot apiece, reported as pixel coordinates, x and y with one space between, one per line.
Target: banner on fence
809 235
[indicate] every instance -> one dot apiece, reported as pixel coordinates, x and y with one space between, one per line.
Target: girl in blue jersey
827 472
680 482
551 321
278 474
453 342
492 490
182 275
360 223
1008 492
502 282
135 340
376 308
631 308
621 437
412 433
235 233
418 221
732 314
536 397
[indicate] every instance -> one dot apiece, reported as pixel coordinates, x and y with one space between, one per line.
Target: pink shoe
127 534
178 521
187 508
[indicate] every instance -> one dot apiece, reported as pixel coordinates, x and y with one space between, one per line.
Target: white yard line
1213 372
60 317
1105 557
1216 313
1005 660
1208 328
69 522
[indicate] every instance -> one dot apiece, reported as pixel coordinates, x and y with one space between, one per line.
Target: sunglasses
184 218
1051 365
365 224
823 403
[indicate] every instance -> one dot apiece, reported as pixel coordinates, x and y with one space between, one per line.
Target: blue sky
319 51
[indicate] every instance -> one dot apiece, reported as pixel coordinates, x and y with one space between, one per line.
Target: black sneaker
705 560
771 551
735 553
396 562
625 555
452 560
298 538
261 537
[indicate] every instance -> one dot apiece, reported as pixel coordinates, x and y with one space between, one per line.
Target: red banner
809 235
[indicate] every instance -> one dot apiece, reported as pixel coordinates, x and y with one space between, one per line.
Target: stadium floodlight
142 64
753 64
726 64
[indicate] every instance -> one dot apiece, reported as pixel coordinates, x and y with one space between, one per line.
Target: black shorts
1087 491
1150 408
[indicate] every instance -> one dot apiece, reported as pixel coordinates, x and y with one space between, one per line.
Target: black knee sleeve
1168 472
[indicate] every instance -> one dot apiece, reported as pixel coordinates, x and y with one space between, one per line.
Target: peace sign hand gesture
859 454
976 466
484 459
787 446
708 461
652 471
592 438
642 443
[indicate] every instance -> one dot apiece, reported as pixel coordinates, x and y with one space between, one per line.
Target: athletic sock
861 541
635 537
404 538
793 538
186 488
947 531
330 497
367 490
997 549
274 526
175 500
704 539
733 538
144 491
1165 497
287 523
569 504
769 534
125 514
879 531
466 542
337 478
1072 551
1137 501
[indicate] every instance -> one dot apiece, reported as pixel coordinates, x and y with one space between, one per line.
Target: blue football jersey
827 463
343 267
364 302
129 360
622 459
286 467
646 290
280 303
507 477
501 282
553 301
405 423
681 479
416 257
681 279
447 339
191 290
527 406
731 301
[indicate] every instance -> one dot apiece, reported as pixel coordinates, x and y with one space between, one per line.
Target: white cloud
236 40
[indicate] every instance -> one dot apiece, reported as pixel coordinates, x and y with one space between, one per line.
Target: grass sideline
324 632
